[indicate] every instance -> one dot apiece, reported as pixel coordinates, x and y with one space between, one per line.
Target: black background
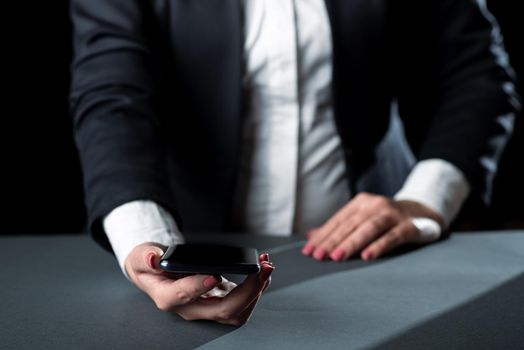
40 178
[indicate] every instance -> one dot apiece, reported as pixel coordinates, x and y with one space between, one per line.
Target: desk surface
466 292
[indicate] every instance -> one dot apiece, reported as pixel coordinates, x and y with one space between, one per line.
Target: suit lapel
207 41
207 45
358 28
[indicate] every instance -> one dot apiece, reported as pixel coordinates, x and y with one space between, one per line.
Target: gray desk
466 292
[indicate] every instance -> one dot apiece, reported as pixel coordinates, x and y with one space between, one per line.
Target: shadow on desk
491 321
292 267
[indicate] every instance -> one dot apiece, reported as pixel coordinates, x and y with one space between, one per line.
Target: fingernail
264 257
338 254
211 281
308 249
367 255
151 260
319 254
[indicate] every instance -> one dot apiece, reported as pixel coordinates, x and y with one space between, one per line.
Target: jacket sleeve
470 95
112 105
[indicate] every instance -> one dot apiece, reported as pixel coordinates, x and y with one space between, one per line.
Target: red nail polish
367 255
151 260
211 281
308 249
264 257
338 254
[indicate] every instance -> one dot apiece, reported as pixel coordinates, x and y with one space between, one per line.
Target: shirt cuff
139 222
437 184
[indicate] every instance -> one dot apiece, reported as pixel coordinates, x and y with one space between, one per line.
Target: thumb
152 259
145 258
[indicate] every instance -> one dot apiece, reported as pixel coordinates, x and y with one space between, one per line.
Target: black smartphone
210 259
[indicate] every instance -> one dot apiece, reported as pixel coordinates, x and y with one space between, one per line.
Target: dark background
40 178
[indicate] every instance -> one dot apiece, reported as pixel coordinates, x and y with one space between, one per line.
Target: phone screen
210 259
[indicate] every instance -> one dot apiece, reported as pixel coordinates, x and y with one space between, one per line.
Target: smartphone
210 259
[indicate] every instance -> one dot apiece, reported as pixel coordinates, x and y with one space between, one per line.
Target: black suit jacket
157 96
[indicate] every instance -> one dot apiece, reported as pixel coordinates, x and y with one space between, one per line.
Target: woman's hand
196 297
372 225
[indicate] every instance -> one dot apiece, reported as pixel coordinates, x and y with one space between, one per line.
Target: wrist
437 184
138 222
418 210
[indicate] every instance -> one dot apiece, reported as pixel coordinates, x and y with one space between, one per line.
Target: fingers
331 233
245 293
266 279
349 238
332 226
241 318
236 306
168 294
374 225
264 258
399 235
244 316
167 291
198 296
361 221
359 239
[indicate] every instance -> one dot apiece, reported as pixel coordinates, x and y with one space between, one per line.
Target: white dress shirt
292 155
292 173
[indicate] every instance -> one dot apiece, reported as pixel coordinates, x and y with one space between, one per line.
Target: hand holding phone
210 259
185 295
